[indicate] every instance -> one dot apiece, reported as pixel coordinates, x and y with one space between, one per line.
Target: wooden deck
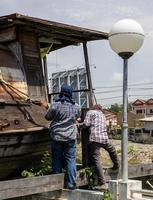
42 184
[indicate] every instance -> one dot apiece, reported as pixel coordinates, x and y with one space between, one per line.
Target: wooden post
45 74
85 141
90 94
85 133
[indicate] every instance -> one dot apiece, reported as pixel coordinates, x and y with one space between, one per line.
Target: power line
140 88
110 98
107 91
119 90
117 86
140 95
114 97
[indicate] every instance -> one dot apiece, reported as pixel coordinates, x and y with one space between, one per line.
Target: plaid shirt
63 120
98 128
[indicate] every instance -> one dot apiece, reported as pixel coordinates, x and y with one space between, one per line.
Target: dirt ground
137 153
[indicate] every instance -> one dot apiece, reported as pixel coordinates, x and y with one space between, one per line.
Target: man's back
98 128
63 116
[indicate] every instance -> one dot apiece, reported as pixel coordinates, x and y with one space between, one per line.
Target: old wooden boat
24 43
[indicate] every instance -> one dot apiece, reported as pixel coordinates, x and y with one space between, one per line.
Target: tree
119 108
116 108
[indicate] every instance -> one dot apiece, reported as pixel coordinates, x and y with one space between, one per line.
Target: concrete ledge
65 194
120 190
82 194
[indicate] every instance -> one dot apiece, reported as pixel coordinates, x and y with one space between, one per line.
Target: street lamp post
125 38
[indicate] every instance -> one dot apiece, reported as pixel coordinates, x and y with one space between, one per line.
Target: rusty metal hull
23 96
23 137
19 151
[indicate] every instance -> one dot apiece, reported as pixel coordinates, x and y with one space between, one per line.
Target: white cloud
127 10
117 77
78 15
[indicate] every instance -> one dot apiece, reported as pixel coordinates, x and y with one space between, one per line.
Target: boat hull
21 150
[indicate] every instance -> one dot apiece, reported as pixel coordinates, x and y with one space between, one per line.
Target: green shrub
43 169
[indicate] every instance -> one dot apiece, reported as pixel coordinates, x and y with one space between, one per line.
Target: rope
23 111
13 88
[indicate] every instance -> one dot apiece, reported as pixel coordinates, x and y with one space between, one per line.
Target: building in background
143 107
77 78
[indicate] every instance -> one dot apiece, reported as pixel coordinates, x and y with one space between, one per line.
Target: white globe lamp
126 37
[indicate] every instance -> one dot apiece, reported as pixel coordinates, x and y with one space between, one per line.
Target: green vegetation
119 108
106 195
89 172
134 161
116 108
118 151
43 169
131 149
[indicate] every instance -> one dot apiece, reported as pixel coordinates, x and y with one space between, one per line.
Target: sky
106 66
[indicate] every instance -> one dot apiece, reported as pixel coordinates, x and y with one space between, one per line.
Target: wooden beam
59 37
35 185
134 171
29 186
83 90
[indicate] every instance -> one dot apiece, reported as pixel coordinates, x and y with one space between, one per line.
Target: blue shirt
63 120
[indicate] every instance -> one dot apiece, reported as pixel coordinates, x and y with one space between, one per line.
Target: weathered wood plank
34 185
42 184
29 186
134 171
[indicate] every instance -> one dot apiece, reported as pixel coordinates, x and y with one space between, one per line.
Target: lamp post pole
124 142
125 38
124 123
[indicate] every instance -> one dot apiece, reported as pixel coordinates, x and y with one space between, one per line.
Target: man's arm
87 120
86 123
51 113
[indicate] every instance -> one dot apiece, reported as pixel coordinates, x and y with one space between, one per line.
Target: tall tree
116 108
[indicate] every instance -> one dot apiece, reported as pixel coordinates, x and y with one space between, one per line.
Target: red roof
139 102
149 101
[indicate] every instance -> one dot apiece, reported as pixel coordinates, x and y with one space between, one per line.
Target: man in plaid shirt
95 119
63 114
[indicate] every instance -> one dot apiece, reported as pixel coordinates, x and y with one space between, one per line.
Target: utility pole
85 133
90 93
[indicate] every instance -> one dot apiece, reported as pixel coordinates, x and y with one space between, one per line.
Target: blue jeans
64 155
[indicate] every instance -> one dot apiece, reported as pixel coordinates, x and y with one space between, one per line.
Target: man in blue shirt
63 114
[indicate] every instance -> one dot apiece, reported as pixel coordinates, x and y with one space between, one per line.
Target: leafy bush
131 149
43 169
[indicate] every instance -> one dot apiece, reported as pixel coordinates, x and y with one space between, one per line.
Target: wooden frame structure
24 43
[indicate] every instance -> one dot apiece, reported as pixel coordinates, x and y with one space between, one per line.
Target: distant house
143 107
144 134
133 119
111 117
148 124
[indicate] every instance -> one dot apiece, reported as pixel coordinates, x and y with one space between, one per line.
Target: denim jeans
64 156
